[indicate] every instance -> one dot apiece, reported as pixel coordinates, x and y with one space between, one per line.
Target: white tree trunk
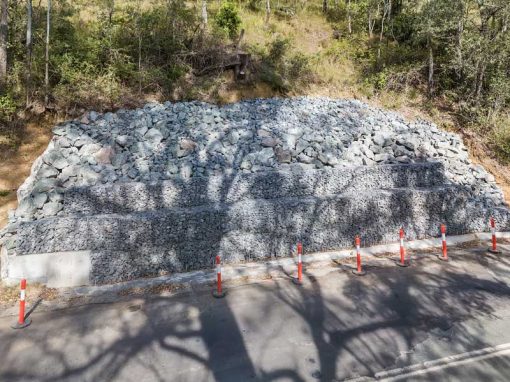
349 18
268 10
4 34
381 35
28 85
430 84
204 14
47 55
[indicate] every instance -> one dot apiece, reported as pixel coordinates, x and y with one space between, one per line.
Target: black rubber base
17 325
440 257
496 252
355 272
296 281
405 264
219 295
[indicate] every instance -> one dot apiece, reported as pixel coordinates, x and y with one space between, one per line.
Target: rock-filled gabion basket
157 189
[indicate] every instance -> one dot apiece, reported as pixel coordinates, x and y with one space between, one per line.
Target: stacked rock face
167 162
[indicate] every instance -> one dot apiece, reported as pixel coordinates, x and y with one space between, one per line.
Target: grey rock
303 158
264 156
328 158
26 208
89 149
246 164
187 144
122 140
55 159
186 170
269 142
47 172
104 155
93 116
88 176
52 208
154 136
39 200
301 145
382 157
44 185
283 156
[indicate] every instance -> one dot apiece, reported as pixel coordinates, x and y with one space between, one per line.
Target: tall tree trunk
381 34
480 80
111 8
47 56
28 84
138 22
349 18
460 32
430 83
268 10
371 20
204 14
4 34
139 63
324 6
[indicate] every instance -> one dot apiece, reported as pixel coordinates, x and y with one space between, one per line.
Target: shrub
500 138
7 107
277 49
298 66
228 19
283 69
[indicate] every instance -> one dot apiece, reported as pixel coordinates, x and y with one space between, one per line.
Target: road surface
433 321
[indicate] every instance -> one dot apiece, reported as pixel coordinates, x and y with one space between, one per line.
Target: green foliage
380 80
278 48
500 137
8 107
282 68
4 193
228 19
254 5
104 53
403 27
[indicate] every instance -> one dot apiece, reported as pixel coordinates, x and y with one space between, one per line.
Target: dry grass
9 296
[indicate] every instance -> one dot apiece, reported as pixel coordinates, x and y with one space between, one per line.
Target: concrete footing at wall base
72 269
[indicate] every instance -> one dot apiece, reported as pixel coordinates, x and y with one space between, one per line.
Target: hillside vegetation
444 59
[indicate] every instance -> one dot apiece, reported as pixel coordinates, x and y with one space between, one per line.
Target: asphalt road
395 323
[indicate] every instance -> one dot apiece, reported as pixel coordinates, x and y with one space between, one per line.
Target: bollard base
17 325
405 264
445 259
296 281
219 295
358 273
494 251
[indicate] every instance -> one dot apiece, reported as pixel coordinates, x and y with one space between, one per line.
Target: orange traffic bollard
403 262
22 321
358 271
218 293
444 255
494 247
299 279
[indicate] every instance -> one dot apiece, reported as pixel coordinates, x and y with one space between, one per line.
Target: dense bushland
446 56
